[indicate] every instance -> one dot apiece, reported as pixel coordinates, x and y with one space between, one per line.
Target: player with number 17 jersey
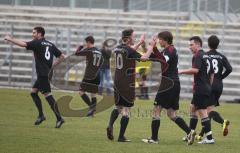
94 60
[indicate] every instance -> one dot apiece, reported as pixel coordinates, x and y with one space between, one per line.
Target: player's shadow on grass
64 106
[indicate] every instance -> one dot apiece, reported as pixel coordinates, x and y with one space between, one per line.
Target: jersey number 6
47 53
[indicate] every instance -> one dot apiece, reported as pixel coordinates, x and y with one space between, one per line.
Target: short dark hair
166 36
196 39
40 30
213 42
90 39
126 33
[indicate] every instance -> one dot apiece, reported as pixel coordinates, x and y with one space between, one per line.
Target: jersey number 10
119 61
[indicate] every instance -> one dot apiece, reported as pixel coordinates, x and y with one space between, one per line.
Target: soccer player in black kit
202 71
219 62
124 82
43 53
169 99
91 78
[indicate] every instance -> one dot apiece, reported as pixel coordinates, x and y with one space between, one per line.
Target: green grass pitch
88 135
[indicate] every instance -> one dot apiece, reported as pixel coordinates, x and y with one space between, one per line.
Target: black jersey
202 62
124 78
157 56
219 63
171 57
94 61
43 53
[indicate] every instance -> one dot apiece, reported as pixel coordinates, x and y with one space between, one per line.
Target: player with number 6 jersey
43 51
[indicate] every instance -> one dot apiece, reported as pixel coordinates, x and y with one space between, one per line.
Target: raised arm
142 39
149 50
81 51
15 41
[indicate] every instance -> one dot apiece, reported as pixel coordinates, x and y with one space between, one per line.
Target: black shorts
169 98
122 101
200 101
42 84
214 98
90 85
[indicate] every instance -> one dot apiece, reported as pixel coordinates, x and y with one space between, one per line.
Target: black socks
51 101
155 127
124 123
38 103
113 117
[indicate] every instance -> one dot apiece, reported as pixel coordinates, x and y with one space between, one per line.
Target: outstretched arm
15 41
190 71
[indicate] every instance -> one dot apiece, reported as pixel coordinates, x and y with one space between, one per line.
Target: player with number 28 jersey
219 63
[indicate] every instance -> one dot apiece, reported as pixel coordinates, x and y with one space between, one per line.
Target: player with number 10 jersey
124 80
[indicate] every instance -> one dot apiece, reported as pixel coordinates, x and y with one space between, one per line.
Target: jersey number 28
214 64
